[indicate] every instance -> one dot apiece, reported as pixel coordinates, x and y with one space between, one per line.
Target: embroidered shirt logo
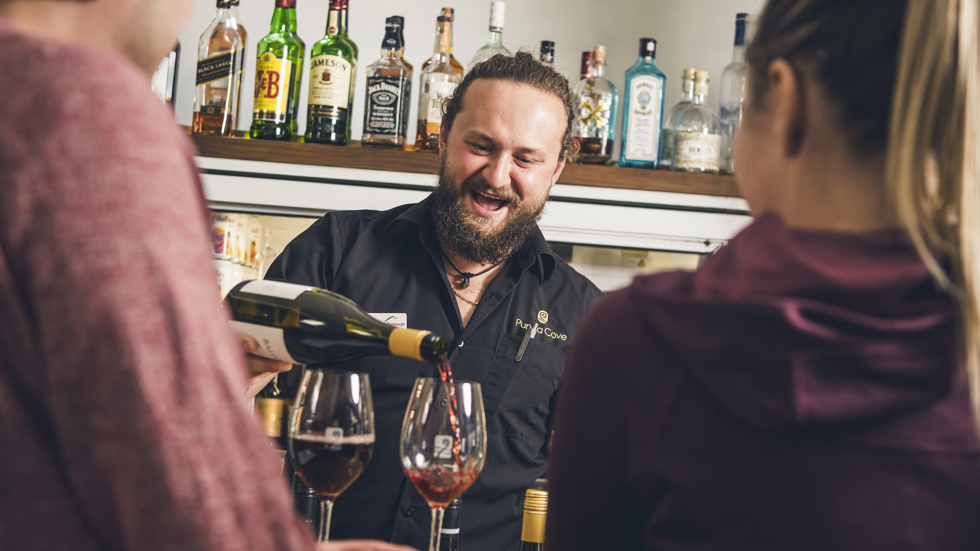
542 317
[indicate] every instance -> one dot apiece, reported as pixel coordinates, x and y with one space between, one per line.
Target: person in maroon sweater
807 388
122 413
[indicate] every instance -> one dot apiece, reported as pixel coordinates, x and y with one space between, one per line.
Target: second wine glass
440 468
331 434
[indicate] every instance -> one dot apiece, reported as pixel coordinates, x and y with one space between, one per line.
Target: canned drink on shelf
254 242
223 230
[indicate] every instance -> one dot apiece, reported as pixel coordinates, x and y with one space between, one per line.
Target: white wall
690 33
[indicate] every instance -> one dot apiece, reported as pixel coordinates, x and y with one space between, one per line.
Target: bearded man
468 263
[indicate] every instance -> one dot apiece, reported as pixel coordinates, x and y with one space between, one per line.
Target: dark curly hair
520 69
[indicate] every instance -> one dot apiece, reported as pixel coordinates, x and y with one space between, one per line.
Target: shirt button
409 511
443 402
461 344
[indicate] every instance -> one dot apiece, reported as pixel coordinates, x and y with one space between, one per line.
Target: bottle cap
740 20
689 73
547 46
701 76
399 19
497 10
586 64
291 4
648 47
227 3
536 501
449 12
599 54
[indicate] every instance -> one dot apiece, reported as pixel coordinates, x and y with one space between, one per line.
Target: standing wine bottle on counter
495 41
535 514
388 83
220 59
306 325
449 535
331 84
279 55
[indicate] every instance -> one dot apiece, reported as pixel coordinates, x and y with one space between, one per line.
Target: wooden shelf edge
421 162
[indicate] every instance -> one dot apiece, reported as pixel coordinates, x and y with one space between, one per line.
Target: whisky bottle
438 81
298 73
305 325
643 109
535 517
456 65
331 76
697 132
495 42
667 138
546 54
387 86
278 60
344 18
407 97
733 90
596 101
220 59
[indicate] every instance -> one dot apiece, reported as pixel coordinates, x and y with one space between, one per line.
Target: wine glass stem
436 528
326 510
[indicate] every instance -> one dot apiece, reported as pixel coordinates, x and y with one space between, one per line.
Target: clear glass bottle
733 91
344 33
298 73
275 67
331 77
546 54
220 59
643 110
697 132
597 102
667 138
495 43
387 84
438 81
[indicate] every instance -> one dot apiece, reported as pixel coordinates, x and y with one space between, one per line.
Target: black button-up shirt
389 262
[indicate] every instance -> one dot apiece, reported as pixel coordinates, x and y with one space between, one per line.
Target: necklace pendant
465 284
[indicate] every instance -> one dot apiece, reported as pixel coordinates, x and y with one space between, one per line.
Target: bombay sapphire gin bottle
596 101
697 132
643 109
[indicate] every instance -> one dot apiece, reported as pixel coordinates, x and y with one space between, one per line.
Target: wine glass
331 434
439 469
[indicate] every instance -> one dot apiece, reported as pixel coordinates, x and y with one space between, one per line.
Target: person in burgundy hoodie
807 388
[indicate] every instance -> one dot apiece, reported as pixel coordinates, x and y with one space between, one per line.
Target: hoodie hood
788 328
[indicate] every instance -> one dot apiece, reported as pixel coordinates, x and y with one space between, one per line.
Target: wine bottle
449 537
306 325
270 408
535 513
306 503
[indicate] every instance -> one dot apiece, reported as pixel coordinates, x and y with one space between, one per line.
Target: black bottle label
385 113
214 68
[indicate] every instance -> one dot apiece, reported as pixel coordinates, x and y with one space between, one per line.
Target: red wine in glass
330 465
439 485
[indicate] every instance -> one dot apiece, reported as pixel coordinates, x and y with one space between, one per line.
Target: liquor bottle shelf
396 160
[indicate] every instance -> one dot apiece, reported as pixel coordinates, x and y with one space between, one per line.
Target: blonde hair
932 155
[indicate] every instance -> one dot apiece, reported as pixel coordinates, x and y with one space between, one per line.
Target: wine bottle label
643 120
394 320
697 151
272 81
435 98
384 113
330 81
272 344
277 289
214 68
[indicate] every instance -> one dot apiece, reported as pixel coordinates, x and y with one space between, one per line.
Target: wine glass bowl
331 434
439 468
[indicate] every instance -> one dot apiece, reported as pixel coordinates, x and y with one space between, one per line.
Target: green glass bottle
278 60
298 73
331 84
344 4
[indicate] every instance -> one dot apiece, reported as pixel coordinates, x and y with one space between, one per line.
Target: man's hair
520 69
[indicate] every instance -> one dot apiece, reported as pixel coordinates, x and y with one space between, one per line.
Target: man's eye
479 147
524 160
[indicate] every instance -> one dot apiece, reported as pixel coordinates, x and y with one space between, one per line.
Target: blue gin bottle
643 110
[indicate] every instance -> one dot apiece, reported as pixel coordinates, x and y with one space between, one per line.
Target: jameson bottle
535 514
388 81
220 58
298 74
449 14
331 82
279 55
306 325
449 535
643 109
344 18
438 81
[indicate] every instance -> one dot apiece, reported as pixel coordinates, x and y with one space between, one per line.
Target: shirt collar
535 252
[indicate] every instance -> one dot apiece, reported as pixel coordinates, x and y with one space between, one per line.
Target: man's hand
260 370
360 545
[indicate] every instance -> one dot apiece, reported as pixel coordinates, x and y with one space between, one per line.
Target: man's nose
497 172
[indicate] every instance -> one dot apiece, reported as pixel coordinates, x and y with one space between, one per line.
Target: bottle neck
291 13
230 12
496 38
280 21
698 98
738 55
687 92
598 69
334 22
444 44
343 21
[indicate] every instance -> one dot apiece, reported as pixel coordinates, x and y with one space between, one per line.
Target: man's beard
472 236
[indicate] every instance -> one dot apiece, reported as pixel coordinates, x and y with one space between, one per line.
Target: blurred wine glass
440 469
331 434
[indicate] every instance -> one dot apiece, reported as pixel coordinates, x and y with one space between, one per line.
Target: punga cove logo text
542 330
